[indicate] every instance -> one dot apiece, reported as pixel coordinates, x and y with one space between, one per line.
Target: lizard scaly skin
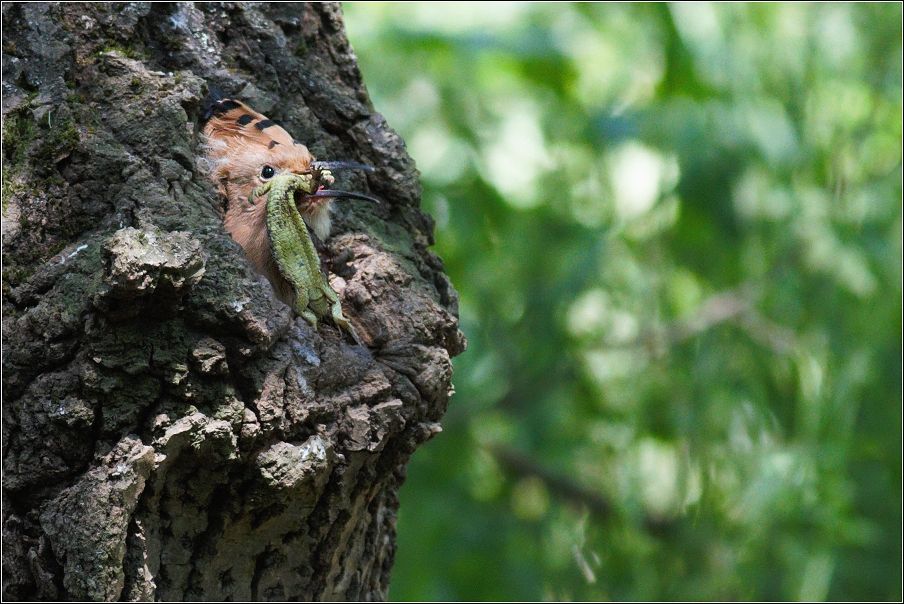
294 252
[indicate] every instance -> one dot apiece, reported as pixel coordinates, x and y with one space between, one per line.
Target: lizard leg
258 191
301 307
341 321
310 317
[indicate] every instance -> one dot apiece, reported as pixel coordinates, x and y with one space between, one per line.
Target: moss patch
18 132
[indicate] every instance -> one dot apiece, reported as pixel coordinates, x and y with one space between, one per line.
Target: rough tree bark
171 431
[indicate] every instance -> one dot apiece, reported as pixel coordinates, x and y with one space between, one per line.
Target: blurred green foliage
677 235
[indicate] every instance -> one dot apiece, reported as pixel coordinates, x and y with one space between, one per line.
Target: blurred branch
568 488
558 484
772 335
715 310
718 309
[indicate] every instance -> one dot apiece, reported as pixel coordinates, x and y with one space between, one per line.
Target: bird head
245 149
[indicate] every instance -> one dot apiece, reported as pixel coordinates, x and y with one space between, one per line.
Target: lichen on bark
171 431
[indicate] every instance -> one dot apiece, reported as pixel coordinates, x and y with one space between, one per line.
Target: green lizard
294 252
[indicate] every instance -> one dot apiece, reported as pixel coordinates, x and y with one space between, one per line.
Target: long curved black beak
325 193
339 165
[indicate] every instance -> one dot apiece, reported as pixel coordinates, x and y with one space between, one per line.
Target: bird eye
267 172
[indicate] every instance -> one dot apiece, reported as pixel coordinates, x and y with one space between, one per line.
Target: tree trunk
171 430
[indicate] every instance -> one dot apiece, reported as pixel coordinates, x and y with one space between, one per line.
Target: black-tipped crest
214 97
